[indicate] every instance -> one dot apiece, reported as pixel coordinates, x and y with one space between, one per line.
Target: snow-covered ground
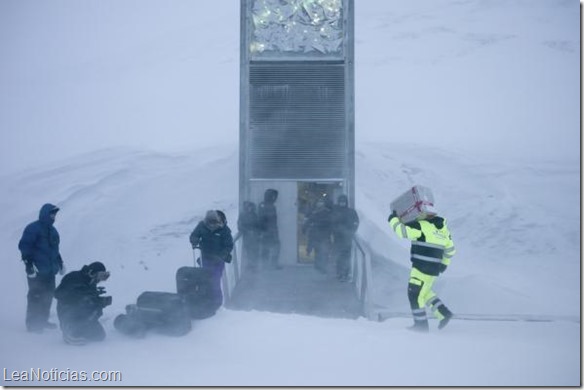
124 114
518 258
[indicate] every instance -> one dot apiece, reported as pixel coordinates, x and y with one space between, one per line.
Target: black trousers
251 249
82 331
270 249
342 252
39 299
322 250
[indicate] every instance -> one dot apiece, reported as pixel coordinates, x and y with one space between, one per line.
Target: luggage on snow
162 312
194 285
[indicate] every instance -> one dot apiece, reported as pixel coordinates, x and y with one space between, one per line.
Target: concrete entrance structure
296 108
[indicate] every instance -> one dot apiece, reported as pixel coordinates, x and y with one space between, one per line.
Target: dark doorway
308 194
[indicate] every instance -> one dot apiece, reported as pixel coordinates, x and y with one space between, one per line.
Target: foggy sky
76 76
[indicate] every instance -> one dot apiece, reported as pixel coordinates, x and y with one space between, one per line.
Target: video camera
103 301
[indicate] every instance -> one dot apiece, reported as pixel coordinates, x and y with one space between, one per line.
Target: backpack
162 312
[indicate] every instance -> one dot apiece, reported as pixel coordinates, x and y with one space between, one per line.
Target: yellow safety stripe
404 231
416 274
426 258
398 227
428 244
435 238
435 303
395 224
419 314
448 253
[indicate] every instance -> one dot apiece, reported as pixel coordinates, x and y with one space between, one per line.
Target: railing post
232 271
363 279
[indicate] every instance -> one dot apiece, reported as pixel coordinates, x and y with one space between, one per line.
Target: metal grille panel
297 121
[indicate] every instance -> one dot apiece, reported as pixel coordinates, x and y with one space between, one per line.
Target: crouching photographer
80 304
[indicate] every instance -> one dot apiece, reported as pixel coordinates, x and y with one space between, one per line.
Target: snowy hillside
518 259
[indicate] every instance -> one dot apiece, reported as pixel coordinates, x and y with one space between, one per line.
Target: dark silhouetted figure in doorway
269 236
345 222
318 228
248 227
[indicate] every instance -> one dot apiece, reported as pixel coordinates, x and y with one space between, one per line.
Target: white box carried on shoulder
415 203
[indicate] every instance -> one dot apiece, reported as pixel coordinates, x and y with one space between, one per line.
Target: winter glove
31 269
228 258
393 214
442 268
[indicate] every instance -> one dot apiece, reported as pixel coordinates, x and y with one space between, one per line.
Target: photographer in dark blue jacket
39 248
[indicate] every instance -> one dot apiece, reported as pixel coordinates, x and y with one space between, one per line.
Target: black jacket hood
270 195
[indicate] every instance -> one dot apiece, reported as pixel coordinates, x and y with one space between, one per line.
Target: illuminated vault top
297 28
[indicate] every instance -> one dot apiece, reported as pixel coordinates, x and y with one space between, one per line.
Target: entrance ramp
298 289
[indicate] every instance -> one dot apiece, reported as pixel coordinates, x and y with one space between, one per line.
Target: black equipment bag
194 284
162 312
130 325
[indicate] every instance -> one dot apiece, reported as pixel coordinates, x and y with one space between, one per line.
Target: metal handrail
362 278
232 271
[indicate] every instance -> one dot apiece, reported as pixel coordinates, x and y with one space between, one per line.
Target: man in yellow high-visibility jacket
432 249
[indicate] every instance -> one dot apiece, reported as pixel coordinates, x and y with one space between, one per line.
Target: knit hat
96 271
213 220
96 266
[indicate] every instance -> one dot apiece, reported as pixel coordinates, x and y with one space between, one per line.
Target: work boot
444 321
72 340
49 325
34 329
420 326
